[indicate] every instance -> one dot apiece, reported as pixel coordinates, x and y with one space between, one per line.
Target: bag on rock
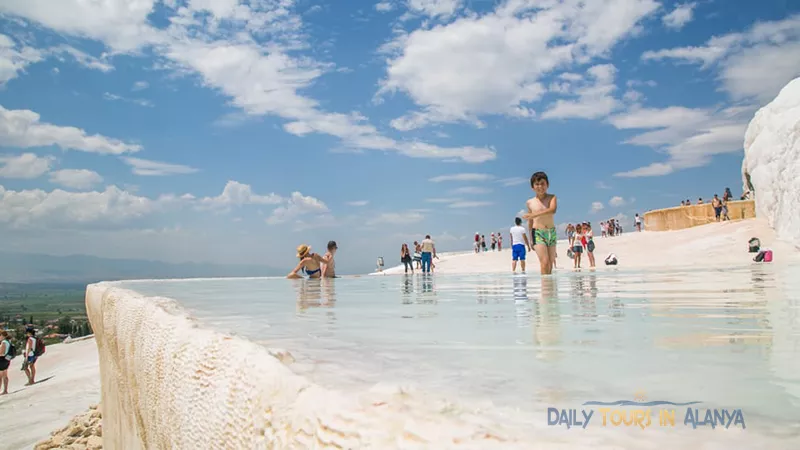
611 260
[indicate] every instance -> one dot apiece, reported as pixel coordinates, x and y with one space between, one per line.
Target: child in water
541 221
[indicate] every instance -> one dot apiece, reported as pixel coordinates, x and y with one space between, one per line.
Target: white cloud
146 167
22 128
469 204
120 23
596 207
616 201
434 8
37 208
602 185
358 203
140 86
690 137
76 178
595 99
470 190
384 6
26 165
399 219
632 96
136 101
451 71
462 177
14 59
238 194
753 64
442 200
680 16
227 45
297 205
513 181
82 58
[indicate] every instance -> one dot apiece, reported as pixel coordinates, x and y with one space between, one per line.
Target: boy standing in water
541 220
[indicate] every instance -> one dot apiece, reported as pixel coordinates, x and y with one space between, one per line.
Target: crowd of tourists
720 205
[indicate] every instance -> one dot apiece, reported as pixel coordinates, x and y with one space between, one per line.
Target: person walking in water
428 253
541 221
499 242
589 235
519 242
405 258
577 247
310 263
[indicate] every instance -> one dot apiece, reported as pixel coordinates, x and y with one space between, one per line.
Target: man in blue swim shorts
519 242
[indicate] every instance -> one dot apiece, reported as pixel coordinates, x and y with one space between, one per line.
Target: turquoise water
729 339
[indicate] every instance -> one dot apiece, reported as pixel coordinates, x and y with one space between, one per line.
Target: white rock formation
169 384
772 160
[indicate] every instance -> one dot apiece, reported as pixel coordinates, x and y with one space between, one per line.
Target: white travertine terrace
772 159
170 384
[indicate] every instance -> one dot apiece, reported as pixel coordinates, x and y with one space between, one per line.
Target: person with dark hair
329 269
428 253
541 221
519 242
5 361
29 363
405 258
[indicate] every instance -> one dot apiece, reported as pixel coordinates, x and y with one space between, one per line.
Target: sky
232 131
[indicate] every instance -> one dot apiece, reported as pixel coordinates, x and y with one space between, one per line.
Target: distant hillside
33 268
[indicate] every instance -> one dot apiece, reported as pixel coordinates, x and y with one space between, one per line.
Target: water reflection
428 291
729 338
315 293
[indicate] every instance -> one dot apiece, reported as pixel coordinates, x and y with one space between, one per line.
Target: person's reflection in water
328 292
407 288
315 293
547 326
521 301
428 292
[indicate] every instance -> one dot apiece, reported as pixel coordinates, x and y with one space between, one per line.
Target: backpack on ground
40 348
611 260
754 245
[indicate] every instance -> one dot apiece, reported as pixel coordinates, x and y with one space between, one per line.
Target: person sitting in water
310 263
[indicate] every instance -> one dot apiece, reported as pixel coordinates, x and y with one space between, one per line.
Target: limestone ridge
771 166
167 383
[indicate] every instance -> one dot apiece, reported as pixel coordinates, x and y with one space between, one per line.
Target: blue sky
230 131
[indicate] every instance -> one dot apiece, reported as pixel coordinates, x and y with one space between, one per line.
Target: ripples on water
730 339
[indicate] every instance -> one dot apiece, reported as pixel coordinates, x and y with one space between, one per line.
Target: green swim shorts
546 236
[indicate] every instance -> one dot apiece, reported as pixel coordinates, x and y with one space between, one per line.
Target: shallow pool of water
727 339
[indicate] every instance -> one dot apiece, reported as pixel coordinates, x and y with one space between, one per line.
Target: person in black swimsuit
309 263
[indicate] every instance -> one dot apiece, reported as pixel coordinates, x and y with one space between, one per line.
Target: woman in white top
587 231
29 364
577 247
